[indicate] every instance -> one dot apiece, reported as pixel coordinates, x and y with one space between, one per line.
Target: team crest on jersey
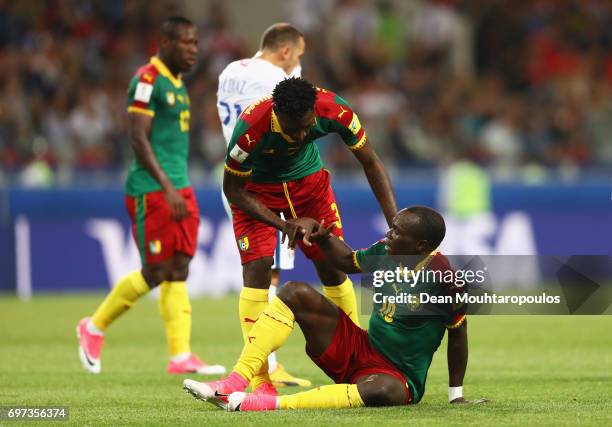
243 243
170 98
155 247
355 126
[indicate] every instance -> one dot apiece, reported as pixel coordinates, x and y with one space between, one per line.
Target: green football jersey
260 149
397 331
154 91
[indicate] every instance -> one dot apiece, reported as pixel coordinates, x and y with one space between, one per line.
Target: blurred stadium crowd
523 88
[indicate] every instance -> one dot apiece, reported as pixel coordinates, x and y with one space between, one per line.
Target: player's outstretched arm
379 180
338 253
139 129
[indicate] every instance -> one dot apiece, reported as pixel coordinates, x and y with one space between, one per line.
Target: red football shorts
311 196
157 236
350 356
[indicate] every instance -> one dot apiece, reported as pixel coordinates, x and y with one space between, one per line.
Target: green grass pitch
537 370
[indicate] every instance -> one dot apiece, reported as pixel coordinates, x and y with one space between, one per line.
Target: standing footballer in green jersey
386 365
273 170
160 202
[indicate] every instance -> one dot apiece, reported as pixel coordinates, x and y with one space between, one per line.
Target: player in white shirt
245 81
242 83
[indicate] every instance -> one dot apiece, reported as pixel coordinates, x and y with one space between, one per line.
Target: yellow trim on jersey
276 127
286 190
164 71
426 260
355 261
359 144
237 172
140 110
457 323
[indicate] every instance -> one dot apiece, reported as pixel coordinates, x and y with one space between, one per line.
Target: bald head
282 45
279 35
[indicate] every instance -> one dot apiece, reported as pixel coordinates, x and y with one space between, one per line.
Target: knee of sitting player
296 294
380 390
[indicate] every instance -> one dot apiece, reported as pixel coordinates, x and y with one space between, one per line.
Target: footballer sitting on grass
386 365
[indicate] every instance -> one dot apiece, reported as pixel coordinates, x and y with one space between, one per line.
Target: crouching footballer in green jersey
383 366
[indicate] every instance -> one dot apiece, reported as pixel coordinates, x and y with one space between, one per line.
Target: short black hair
278 34
169 25
431 225
294 97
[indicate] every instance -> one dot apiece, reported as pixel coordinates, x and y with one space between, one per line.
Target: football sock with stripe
343 296
252 303
125 293
175 310
269 333
325 397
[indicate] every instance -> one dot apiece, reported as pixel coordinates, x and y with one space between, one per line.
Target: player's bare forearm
339 254
457 354
139 128
233 188
379 181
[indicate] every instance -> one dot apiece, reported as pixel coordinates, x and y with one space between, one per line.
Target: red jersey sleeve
339 117
457 312
249 130
141 92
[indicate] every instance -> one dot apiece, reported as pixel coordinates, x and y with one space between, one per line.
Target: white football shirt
242 83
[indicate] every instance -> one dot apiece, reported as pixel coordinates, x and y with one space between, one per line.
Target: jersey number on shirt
237 108
334 208
388 311
184 120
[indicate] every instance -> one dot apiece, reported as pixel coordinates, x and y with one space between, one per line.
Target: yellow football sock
269 332
125 293
272 362
325 397
344 297
252 303
175 310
